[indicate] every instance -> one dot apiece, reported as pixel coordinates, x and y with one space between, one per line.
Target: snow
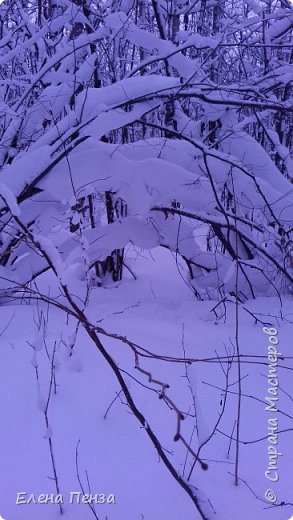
115 451
46 247
23 171
146 271
8 197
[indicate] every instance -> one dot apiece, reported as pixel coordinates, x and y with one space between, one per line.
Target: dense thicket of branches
153 122
157 123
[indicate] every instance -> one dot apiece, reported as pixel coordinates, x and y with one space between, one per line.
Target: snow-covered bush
149 125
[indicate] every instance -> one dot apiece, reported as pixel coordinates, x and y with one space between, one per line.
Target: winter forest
146 259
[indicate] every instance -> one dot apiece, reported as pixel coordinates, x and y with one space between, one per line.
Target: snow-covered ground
114 455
